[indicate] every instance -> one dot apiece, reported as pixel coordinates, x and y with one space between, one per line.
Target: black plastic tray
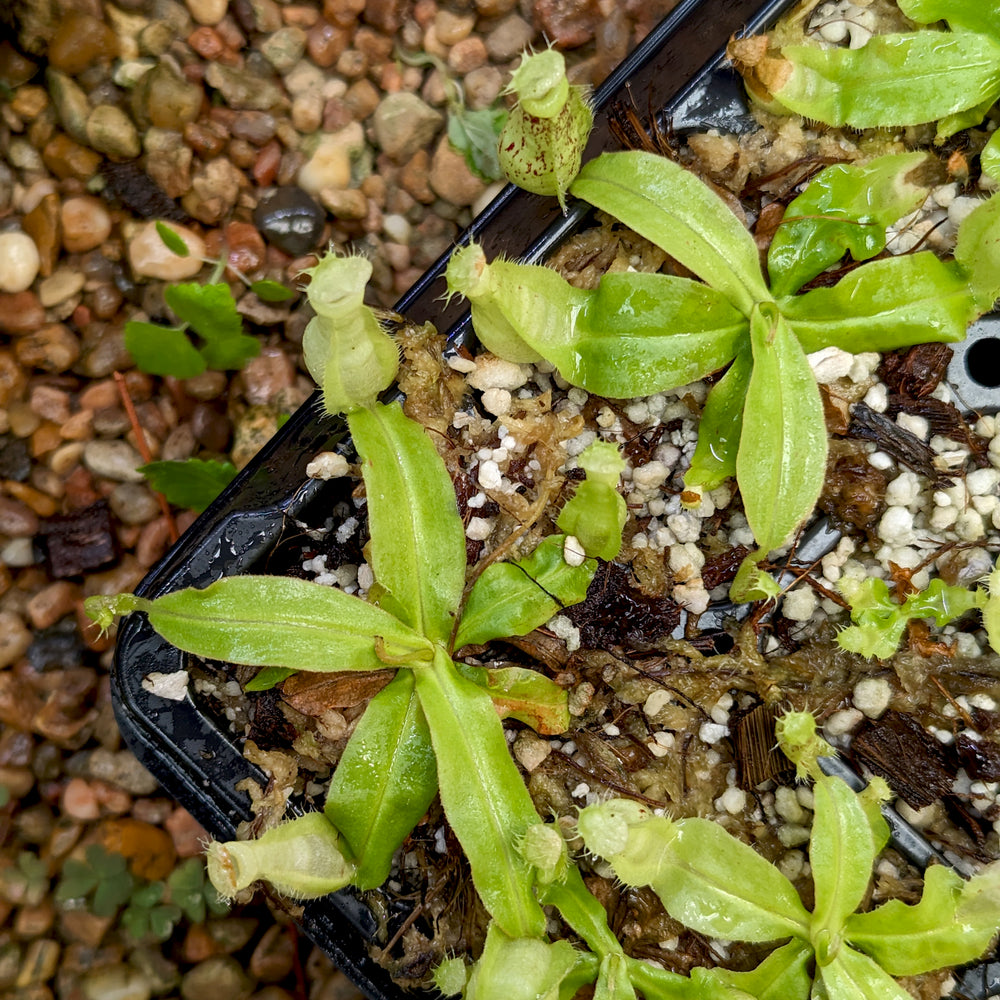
679 68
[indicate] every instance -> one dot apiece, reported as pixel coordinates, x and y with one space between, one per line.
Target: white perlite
872 695
327 465
172 687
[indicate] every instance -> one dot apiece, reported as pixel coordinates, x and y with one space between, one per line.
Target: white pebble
982 481
489 476
903 490
495 373
19 262
327 465
497 401
880 460
842 722
799 604
830 364
871 695
573 553
479 528
712 732
656 702
969 526
649 476
787 805
877 398
896 526
915 424
734 801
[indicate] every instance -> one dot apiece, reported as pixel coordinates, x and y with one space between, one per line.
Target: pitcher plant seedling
639 333
720 887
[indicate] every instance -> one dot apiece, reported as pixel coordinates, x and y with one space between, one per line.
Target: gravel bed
263 131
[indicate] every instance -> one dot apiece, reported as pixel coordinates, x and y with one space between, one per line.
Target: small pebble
290 219
151 258
19 262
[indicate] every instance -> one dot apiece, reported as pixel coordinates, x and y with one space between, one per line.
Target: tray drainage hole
982 362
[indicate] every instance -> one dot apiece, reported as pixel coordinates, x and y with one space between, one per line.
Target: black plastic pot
678 68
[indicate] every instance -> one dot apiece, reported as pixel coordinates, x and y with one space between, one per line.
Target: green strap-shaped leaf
643 333
846 207
978 252
581 910
887 304
853 976
162 350
274 621
484 797
900 79
934 933
417 539
782 457
972 15
989 158
672 208
524 694
783 975
385 780
720 427
513 598
841 853
719 886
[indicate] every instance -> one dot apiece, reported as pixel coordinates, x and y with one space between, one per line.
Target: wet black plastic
679 68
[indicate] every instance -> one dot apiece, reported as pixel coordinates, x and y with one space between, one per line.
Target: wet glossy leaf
978 252
417 538
720 427
845 208
277 621
384 781
635 334
192 483
719 886
483 794
972 15
672 208
783 975
853 976
524 694
268 677
900 79
989 158
162 350
907 940
886 304
511 599
782 457
841 853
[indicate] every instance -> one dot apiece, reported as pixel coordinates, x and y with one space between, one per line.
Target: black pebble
290 220
15 462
